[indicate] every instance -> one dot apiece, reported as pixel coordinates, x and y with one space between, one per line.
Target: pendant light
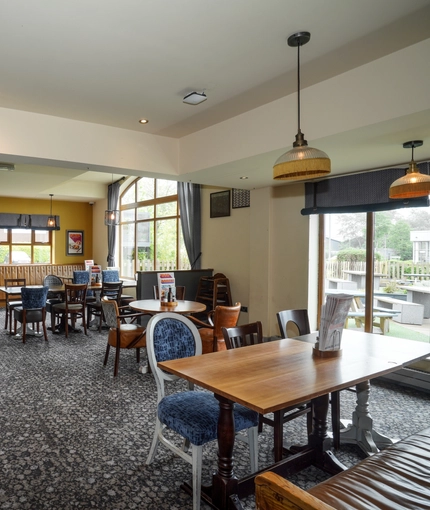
302 162
52 221
111 215
414 184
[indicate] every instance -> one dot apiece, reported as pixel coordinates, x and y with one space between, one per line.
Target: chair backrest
14 282
52 280
225 317
299 319
241 336
75 293
81 277
180 292
170 336
110 312
112 290
110 275
34 297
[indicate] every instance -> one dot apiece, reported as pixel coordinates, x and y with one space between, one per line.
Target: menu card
166 281
333 316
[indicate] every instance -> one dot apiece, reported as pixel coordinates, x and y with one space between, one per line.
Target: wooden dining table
154 306
282 373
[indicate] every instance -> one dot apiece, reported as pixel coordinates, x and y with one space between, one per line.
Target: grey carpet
73 436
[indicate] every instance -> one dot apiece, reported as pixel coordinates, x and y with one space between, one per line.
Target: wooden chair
211 332
11 300
110 290
112 275
121 335
32 310
191 414
180 292
251 334
299 319
73 307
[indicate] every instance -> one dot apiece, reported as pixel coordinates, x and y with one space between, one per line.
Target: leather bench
396 478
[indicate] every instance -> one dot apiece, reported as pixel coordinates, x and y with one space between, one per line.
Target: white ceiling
112 63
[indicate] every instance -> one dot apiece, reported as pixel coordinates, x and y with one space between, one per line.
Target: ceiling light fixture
195 98
111 215
52 221
302 162
414 184
143 121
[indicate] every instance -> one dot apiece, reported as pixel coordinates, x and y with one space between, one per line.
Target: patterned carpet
73 436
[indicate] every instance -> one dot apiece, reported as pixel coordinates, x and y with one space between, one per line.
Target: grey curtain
191 222
112 204
363 192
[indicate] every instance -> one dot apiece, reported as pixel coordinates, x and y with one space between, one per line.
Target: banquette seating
396 478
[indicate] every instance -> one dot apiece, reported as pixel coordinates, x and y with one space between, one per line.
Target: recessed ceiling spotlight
244 177
195 98
143 121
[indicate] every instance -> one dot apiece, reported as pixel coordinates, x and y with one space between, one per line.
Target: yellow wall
73 216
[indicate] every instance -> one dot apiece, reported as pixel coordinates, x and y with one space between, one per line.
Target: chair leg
107 354
260 423
24 326
45 333
278 433
197 475
253 448
6 317
310 419
154 444
335 418
137 355
115 370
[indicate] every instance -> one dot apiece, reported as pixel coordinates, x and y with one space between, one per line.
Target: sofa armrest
272 492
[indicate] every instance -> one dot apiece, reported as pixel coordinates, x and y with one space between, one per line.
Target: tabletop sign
166 287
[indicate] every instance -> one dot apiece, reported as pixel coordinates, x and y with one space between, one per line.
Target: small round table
154 306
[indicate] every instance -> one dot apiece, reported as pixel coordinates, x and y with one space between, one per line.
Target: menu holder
316 353
333 316
169 304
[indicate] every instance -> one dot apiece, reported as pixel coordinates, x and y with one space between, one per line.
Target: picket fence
393 269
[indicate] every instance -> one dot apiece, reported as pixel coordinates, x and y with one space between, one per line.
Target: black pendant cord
298 87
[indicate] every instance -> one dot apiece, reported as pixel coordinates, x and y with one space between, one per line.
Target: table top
156 306
274 375
361 273
52 288
418 288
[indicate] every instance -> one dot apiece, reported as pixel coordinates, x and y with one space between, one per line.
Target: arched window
150 232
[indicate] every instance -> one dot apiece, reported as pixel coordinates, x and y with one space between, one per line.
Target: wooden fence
394 269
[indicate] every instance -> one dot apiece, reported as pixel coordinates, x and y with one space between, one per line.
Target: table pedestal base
360 430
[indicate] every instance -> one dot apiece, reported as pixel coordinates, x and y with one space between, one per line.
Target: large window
25 246
150 232
401 297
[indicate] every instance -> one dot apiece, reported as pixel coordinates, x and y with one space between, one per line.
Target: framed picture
220 204
74 242
241 198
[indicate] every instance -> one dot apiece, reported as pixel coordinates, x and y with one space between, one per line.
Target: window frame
31 244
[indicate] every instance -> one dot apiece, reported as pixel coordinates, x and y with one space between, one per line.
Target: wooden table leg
224 483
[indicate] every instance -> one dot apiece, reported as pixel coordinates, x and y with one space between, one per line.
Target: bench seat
397 478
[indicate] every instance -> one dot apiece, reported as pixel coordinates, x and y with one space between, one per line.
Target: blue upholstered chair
112 275
32 310
191 414
84 277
